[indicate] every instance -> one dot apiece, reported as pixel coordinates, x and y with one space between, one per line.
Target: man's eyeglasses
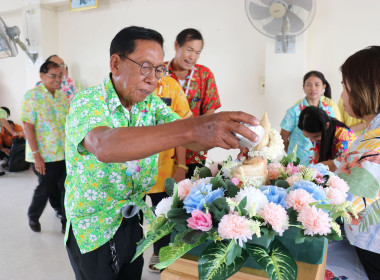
54 76
146 68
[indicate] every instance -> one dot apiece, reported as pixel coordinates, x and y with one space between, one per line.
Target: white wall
237 53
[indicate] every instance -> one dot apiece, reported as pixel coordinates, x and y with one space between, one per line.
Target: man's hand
39 164
217 130
179 174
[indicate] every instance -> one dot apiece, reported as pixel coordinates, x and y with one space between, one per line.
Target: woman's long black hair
314 119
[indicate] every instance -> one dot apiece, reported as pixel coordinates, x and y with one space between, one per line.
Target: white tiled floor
28 255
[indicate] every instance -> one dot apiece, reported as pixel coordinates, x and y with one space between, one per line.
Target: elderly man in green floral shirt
114 132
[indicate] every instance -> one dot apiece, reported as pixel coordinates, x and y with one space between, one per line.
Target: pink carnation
298 199
335 195
214 168
235 181
319 178
274 170
184 187
200 220
291 169
315 221
233 226
292 179
338 183
276 216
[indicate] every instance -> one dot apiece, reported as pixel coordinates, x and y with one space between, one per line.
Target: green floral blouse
3 114
96 191
48 115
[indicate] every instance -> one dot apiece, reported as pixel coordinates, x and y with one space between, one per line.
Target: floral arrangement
234 214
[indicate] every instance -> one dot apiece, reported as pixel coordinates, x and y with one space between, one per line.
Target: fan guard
9 37
282 20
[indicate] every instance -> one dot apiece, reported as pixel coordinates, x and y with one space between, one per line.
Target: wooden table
186 268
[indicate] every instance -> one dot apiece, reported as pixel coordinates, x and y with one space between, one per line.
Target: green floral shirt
96 191
48 115
3 114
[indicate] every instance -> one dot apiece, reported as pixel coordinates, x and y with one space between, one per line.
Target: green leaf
169 186
282 184
361 182
218 208
178 215
212 264
204 172
278 263
169 254
192 237
370 215
145 243
293 214
232 190
233 253
216 182
243 203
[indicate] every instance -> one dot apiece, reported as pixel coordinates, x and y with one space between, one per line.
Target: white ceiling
10 6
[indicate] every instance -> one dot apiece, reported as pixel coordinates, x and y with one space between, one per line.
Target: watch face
168 101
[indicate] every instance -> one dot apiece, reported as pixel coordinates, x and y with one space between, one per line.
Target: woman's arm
285 137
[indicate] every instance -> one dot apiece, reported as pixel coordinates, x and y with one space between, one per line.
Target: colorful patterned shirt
202 96
170 89
68 86
360 168
3 114
341 142
48 115
290 123
97 191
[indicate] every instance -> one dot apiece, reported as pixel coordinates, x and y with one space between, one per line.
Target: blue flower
315 190
200 196
275 194
323 169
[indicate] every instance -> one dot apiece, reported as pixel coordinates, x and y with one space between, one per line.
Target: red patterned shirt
202 96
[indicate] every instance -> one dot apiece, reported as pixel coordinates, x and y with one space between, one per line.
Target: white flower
95 120
107 233
94 219
80 168
90 194
83 179
115 178
82 101
203 181
164 206
100 174
256 200
103 195
84 224
120 187
109 220
90 210
92 238
84 113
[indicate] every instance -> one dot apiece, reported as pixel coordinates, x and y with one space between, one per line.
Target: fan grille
275 18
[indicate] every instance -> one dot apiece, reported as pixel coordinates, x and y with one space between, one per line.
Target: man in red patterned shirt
197 81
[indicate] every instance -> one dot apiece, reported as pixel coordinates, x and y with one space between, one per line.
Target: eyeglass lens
147 68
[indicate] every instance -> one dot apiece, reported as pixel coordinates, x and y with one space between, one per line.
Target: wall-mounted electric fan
282 20
9 37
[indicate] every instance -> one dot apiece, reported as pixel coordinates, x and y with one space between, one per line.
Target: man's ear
41 76
115 62
327 125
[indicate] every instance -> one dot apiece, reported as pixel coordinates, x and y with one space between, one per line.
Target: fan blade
258 12
306 4
296 24
267 2
274 27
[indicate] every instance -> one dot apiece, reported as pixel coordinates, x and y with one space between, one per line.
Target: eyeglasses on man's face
146 68
54 76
